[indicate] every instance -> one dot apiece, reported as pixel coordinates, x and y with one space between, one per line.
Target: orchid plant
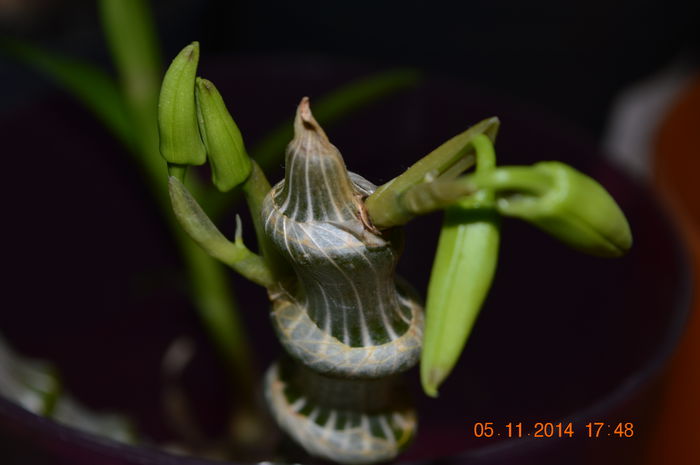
328 240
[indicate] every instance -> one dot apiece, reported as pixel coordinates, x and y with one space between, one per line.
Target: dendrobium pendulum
329 241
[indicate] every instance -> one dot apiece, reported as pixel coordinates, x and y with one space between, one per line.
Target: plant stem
204 232
215 301
130 33
255 189
131 36
384 205
521 179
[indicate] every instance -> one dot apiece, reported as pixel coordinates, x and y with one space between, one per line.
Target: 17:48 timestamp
596 429
599 429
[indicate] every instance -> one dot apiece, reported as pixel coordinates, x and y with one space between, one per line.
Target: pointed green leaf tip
230 164
180 143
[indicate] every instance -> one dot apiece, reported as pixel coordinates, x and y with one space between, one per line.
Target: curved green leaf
89 84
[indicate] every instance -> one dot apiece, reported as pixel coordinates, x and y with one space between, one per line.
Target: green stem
384 205
445 190
429 197
131 36
177 171
509 179
130 33
485 164
485 154
215 302
255 188
204 232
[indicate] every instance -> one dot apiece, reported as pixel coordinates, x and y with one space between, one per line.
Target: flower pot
563 338
676 146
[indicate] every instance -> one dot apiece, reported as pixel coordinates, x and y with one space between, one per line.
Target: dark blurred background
569 57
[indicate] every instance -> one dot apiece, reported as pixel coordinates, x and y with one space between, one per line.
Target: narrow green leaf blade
130 33
131 36
90 85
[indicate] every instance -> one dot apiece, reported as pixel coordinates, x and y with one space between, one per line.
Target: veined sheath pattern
347 421
346 315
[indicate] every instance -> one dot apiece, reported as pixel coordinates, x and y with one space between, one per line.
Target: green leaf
131 36
90 85
130 33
